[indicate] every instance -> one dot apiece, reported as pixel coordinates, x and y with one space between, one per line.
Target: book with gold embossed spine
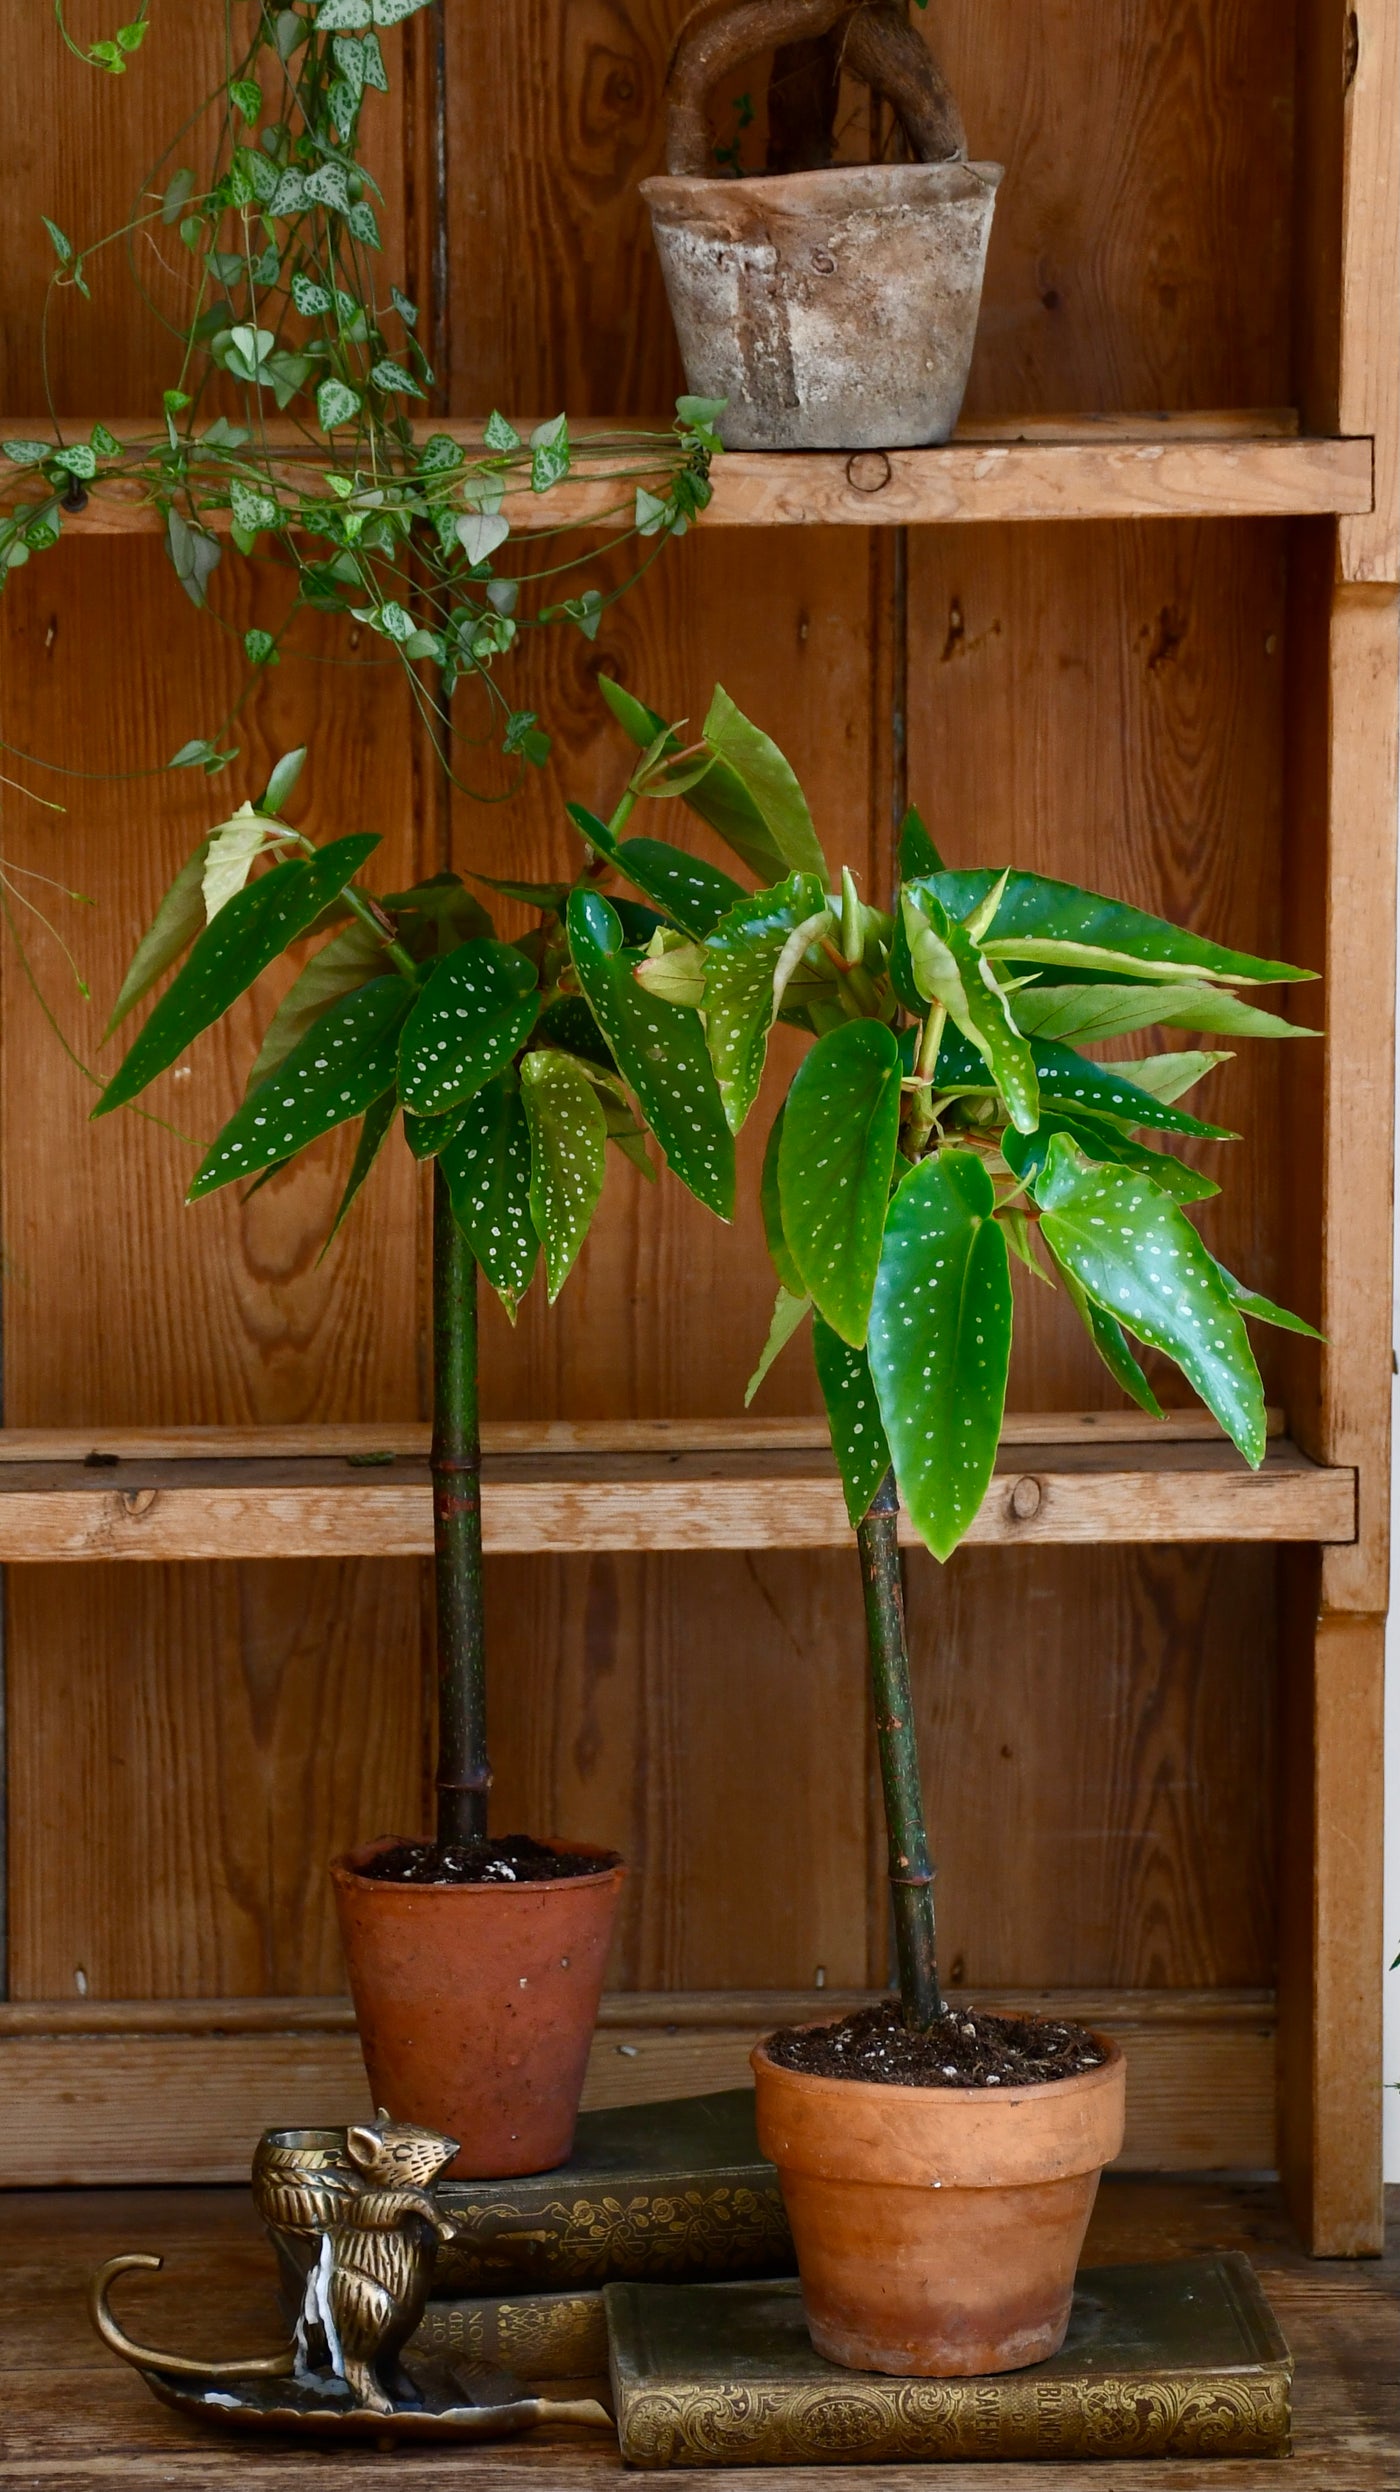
665 2192
1175 2360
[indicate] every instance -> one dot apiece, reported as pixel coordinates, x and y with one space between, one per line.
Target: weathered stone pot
938 2228
834 310
476 2004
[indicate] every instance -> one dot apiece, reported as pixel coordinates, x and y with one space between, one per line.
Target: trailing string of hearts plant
397 528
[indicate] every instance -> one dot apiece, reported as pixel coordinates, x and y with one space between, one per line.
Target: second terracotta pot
937 2228
476 2004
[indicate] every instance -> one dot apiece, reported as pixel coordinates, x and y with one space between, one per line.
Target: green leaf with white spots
1139 1258
1060 924
1072 1081
248 933
779 1250
917 853
770 783
660 1052
940 1342
950 969
1100 1139
742 960
788 1314
487 1165
339 1069
858 1438
1263 1310
350 959
478 1007
718 795
428 1136
374 1133
691 892
1111 1342
1097 1012
835 1163
177 921
568 1139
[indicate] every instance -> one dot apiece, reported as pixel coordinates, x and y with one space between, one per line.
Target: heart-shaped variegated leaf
835 1162
1139 1258
1111 1342
478 1007
950 969
487 1165
858 1437
788 1315
940 1342
660 1052
345 1062
743 956
248 933
1042 921
1099 1139
568 1140
1111 1011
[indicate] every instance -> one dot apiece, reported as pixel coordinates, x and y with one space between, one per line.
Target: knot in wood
1025 1498
868 471
824 263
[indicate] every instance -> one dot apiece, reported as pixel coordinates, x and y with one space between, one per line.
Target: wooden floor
71 2416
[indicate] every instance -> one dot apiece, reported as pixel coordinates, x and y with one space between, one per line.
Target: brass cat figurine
360 2195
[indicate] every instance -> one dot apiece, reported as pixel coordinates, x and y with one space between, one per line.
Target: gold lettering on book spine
865 2420
709 2232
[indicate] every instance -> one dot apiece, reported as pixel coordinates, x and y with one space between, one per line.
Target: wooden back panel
188 1745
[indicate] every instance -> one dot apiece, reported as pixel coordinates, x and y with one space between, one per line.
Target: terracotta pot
833 310
938 2228
476 2004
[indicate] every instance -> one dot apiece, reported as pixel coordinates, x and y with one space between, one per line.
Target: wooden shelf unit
1231 465
1306 494
295 1497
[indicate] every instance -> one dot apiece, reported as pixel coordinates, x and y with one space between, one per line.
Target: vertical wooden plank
1369 394
1353 1419
1332 1930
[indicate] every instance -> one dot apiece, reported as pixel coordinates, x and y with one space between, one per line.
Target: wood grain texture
144 2106
1097 1737
1332 1923
1369 358
966 483
188 1747
1043 1494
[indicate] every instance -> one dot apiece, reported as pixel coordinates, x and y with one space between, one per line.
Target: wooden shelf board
1237 463
156 2090
638 1485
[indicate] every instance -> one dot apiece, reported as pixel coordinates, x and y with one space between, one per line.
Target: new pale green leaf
770 782
741 1002
788 1314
